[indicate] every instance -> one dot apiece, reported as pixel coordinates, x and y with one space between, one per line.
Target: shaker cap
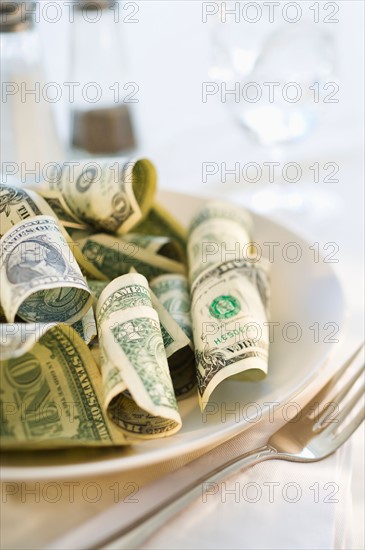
16 15
94 4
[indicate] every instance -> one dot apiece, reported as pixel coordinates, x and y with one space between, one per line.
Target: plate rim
156 456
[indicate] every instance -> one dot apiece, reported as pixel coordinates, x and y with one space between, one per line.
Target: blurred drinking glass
293 67
275 77
271 74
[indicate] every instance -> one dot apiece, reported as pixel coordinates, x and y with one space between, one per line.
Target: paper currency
178 346
2 315
173 292
179 351
145 358
229 301
18 338
219 232
164 246
107 194
96 288
40 278
59 206
17 205
113 257
138 389
51 392
86 327
161 222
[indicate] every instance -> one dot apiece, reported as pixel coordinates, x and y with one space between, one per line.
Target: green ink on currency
224 307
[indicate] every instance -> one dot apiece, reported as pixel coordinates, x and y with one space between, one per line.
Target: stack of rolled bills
102 331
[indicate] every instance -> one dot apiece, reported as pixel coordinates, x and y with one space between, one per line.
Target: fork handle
125 525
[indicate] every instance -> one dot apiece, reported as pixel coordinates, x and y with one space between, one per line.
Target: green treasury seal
224 307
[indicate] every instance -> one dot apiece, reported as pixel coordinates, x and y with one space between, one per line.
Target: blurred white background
169 54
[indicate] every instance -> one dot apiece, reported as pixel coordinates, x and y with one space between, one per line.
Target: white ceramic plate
306 292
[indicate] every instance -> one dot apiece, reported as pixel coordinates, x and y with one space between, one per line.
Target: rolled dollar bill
17 205
230 324
179 351
52 393
96 288
105 193
40 278
2 315
113 257
18 338
161 222
178 346
219 232
229 300
86 327
59 206
174 293
164 246
138 389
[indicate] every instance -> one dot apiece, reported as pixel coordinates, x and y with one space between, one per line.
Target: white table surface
169 52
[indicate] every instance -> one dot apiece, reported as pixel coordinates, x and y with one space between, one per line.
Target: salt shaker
29 138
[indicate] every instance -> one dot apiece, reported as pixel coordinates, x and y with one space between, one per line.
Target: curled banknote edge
108 194
172 294
113 257
229 299
52 394
18 205
18 338
139 393
161 222
40 278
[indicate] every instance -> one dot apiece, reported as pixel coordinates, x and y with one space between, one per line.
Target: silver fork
310 436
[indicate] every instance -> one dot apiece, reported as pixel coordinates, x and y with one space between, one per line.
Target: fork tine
339 398
323 392
345 390
341 436
350 405
341 415
347 363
